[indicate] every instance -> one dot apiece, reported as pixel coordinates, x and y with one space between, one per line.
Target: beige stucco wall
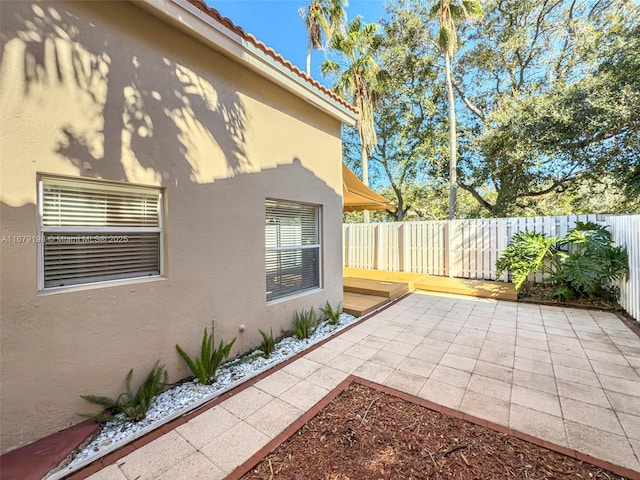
102 89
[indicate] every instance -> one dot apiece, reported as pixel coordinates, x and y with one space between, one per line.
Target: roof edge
220 33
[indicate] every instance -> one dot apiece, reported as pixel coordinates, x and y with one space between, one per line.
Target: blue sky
278 24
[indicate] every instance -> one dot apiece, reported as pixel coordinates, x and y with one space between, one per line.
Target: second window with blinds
292 238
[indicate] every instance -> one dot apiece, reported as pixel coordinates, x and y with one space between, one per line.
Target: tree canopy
547 95
551 99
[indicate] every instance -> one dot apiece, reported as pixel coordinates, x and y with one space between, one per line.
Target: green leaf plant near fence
584 263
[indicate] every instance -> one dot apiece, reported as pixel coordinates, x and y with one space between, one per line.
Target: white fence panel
360 250
626 231
470 248
388 246
425 247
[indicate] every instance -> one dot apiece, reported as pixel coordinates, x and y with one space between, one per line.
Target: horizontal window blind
94 231
292 239
70 203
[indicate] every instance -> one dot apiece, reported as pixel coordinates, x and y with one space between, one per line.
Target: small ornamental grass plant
305 323
333 315
205 366
133 406
268 344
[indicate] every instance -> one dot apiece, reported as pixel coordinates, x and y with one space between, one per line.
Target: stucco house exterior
160 170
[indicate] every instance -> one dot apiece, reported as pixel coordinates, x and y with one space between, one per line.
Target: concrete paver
248 401
442 393
567 376
601 444
275 384
194 467
199 430
235 446
327 377
539 424
543 383
274 417
304 395
153 459
407 382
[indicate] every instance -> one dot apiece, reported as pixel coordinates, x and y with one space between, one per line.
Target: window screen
292 238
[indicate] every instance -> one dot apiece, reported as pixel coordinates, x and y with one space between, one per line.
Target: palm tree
449 13
323 18
358 79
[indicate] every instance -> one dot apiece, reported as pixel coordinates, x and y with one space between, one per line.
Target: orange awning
357 196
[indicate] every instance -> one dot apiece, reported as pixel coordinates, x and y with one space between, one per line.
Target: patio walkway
567 376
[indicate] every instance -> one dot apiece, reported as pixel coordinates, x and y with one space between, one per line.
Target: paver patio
568 376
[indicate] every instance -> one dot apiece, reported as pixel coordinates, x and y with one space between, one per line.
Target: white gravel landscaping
187 396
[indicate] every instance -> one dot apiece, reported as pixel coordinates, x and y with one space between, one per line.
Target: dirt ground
366 434
540 293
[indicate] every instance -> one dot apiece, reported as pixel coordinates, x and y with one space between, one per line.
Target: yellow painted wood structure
385 285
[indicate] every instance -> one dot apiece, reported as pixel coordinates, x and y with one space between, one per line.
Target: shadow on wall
82 98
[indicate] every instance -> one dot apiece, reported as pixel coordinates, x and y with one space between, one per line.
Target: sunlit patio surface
564 376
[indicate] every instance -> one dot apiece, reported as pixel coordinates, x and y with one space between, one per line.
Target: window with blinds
94 231
292 238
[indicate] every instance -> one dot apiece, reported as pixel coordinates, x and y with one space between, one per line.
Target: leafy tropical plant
333 315
589 262
526 254
205 366
305 323
584 263
268 343
134 406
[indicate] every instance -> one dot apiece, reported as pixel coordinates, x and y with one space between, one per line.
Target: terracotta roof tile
226 22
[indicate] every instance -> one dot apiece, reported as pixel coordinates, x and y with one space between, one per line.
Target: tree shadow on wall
142 110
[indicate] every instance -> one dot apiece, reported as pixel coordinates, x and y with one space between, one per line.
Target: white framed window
292 239
96 231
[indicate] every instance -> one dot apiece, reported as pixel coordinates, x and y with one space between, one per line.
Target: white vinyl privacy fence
470 248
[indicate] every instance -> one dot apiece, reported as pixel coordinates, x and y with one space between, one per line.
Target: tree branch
556 184
483 203
478 113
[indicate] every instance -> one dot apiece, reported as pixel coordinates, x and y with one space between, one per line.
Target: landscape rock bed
190 394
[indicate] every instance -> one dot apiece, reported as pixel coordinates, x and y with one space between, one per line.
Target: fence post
377 247
450 255
504 225
346 241
402 247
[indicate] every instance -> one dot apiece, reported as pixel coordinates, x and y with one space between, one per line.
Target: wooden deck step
379 288
418 281
358 304
473 288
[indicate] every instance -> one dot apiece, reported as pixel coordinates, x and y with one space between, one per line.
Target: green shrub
268 343
205 366
589 262
134 406
305 323
333 316
584 263
526 254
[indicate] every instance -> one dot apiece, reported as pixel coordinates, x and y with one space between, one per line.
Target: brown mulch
540 293
367 434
